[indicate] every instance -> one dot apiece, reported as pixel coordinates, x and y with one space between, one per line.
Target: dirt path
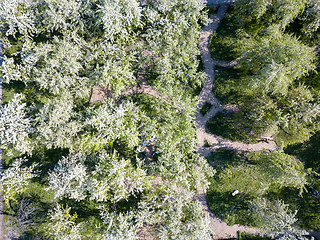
220 228
206 95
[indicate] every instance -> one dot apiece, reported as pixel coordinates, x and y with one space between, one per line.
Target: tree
15 125
272 12
17 18
109 123
269 171
273 62
116 179
109 168
281 170
291 117
311 17
15 179
23 219
69 177
276 219
62 224
120 19
56 124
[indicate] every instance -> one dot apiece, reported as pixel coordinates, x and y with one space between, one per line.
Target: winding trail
221 229
206 95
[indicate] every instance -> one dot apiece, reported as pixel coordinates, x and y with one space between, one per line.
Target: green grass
206 108
223 43
233 126
32 93
247 236
227 88
230 209
222 157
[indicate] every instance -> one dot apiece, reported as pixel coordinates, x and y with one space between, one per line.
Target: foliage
281 169
278 12
116 179
23 219
15 179
15 125
292 118
276 219
120 19
254 175
62 224
16 18
68 178
273 62
109 123
311 16
56 124
99 178
272 171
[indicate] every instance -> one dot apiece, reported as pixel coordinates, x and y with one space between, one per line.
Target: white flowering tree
62 224
178 212
68 179
111 122
15 125
119 226
56 125
80 43
172 38
15 179
116 179
120 19
17 18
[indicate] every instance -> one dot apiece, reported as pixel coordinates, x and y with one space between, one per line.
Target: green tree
272 12
276 219
273 62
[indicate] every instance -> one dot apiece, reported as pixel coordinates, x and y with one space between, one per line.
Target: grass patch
227 86
233 126
222 157
206 108
32 92
231 209
248 236
223 43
